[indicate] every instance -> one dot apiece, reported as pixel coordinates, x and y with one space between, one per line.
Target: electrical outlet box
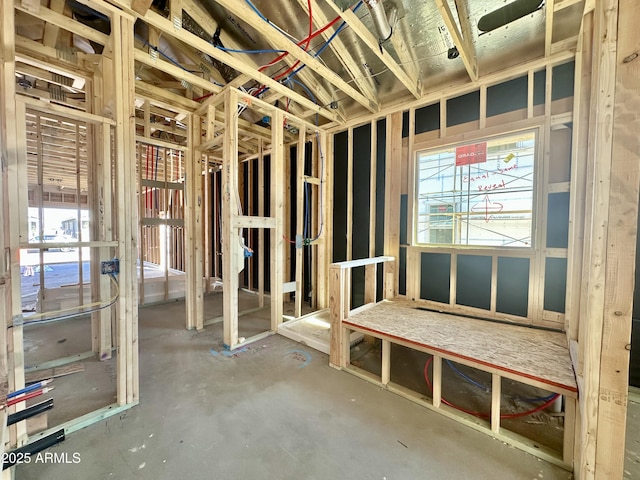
110 267
299 241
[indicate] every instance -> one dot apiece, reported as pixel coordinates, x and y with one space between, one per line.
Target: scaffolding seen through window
478 194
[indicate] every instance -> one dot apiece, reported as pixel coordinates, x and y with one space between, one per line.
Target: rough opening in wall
68 302
161 207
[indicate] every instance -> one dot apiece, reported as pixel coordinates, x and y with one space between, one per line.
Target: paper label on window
470 154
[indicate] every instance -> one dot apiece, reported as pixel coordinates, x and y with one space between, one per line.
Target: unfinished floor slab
273 409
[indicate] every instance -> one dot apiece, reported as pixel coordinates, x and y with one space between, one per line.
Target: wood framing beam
300 186
392 202
162 23
37 55
62 21
34 53
12 177
175 71
101 205
230 241
157 94
127 205
193 228
192 55
242 10
463 44
141 6
451 91
412 84
42 106
562 4
622 231
342 53
198 13
47 76
276 210
50 37
322 252
548 26
613 185
306 77
579 154
465 25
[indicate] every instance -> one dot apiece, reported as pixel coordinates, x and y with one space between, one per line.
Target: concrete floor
274 410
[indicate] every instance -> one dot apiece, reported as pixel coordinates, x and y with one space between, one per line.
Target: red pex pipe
486 415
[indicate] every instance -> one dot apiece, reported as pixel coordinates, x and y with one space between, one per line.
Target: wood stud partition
603 188
108 123
602 377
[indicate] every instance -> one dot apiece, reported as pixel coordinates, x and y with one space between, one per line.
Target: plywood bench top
521 353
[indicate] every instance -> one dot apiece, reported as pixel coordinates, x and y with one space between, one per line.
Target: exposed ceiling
346 70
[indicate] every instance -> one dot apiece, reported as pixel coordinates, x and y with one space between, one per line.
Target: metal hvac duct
380 20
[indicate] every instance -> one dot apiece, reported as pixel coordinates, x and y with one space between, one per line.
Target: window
477 194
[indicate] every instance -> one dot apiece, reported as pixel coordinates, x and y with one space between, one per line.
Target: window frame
467 139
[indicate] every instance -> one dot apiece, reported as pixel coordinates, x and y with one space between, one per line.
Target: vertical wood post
230 241
323 248
392 202
277 211
11 164
127 217
300 208
496 393
193 227
337 302
613 184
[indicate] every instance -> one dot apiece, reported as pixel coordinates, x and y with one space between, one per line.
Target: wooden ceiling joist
212 72
145 58
562 4
548 26
49 16
461 40
279 41
197 12
155 127
34 53
50 37
42 106
461 88
141 6
47 96
162 98
342 53
162 23
46 76
411 84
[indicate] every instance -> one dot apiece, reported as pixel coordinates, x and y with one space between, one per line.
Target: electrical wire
94 307
312 97
487 415
321 199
